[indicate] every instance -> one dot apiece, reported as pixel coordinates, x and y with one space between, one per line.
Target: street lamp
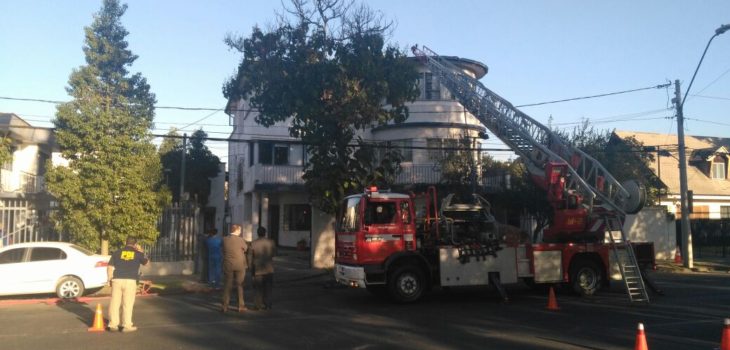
679 101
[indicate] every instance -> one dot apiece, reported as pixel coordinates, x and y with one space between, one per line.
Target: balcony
21 182
291 175
418 174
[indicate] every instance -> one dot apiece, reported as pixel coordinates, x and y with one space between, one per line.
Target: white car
50 267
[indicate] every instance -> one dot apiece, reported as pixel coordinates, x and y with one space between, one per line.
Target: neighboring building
24 201
707 178
707 169
266 164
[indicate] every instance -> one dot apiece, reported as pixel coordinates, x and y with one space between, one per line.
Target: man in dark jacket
234 266
262 261
122 274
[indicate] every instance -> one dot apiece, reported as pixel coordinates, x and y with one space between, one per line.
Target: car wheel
586 277
406 284
69 287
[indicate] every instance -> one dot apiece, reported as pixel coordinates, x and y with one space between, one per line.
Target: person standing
262 253
123 274
214 244
234 266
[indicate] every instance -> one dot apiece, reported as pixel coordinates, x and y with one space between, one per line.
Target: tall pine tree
111 187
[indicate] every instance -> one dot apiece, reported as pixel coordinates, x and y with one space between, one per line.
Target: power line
712 97
660 86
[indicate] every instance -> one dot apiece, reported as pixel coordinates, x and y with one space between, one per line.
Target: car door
12 269
46 265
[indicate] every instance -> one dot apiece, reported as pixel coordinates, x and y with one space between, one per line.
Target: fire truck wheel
586 277
406 284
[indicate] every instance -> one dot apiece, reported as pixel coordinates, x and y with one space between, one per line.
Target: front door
274 223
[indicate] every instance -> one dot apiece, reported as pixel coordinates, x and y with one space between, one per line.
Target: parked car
51 267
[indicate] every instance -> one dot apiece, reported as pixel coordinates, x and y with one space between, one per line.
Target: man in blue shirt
214 244
123 274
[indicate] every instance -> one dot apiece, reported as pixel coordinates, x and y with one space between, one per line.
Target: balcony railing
410 174
418 174
279 174
23 182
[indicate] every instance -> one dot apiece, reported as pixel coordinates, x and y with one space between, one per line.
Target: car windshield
82 249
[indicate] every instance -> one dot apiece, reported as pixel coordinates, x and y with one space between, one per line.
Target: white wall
216 198
652 224
323 238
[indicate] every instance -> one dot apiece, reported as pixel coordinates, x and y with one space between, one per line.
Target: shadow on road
81 309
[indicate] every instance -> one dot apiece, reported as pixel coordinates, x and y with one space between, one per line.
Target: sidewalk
290 266
704 264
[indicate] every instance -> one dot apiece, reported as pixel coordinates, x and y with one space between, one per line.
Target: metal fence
710 238
21 222
179 225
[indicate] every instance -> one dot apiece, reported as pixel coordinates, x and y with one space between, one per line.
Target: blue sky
536 51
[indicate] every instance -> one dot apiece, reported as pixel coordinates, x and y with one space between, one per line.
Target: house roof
22 131
666 166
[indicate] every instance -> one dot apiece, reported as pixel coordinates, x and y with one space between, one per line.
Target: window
266 152
725 212
434 149
281 155
350 215
12 256
405 212
9 164
270 153
432 90
299 217
44 254
380 213
718 170
250 154
405 149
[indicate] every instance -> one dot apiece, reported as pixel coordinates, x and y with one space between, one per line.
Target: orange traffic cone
725 342
640 338
678 256
552 303
98 325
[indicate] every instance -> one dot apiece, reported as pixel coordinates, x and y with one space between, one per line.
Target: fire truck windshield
350 215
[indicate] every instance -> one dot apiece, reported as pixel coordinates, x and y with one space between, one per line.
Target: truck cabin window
380 213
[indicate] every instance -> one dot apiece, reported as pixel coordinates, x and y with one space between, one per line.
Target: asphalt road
312 314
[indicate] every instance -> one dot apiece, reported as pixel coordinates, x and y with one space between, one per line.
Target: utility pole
182 166
688 260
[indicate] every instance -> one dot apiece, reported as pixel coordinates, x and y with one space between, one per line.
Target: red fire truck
402 245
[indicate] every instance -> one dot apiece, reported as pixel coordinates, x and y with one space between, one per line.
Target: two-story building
707 179
24 202
266 164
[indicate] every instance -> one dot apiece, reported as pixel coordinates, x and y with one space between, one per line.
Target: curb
57 301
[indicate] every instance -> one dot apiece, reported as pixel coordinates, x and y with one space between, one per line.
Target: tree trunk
104 246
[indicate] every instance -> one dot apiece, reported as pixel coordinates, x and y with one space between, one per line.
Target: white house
24 202
266 164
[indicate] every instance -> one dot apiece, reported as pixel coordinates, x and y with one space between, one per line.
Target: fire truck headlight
354 256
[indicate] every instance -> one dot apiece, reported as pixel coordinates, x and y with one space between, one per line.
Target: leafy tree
171 142
625 159
200 165
110 188
328 72
6 149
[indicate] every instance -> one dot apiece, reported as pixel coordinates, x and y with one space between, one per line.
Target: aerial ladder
606 200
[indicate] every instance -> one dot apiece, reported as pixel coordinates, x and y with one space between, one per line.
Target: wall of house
216 198
653 224
323 238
